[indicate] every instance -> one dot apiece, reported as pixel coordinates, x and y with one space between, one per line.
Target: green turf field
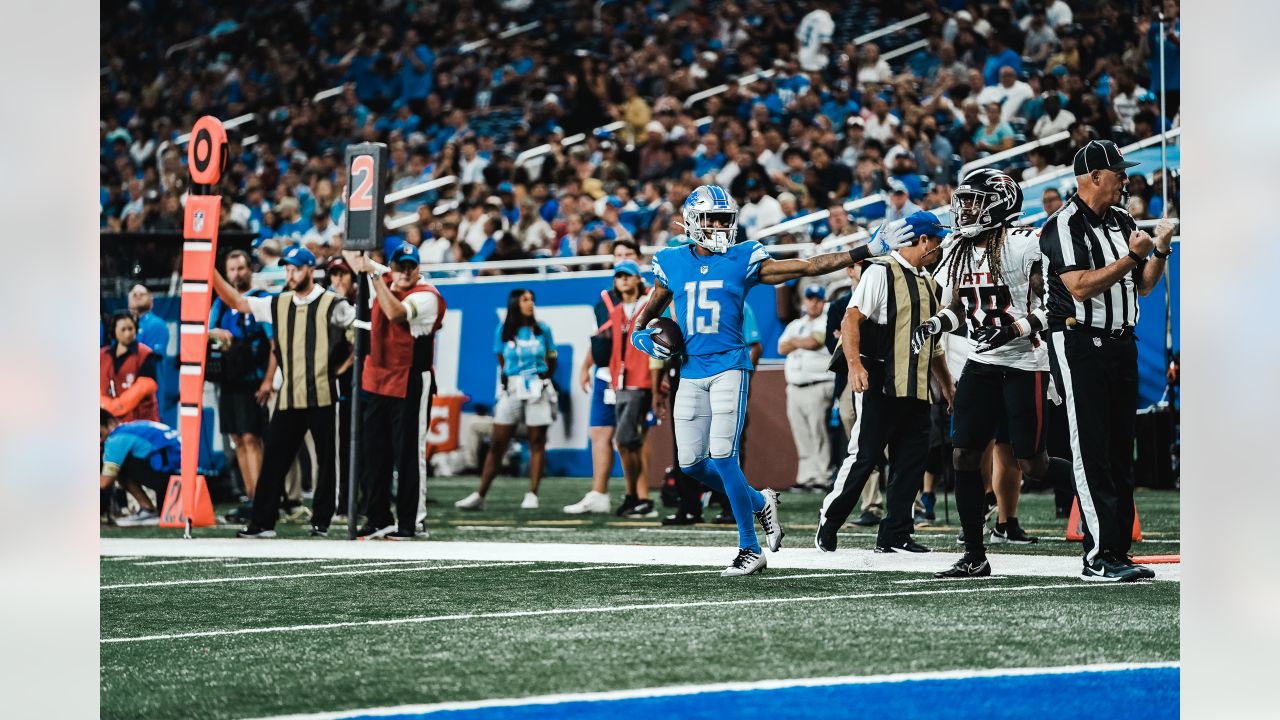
459 630
502 520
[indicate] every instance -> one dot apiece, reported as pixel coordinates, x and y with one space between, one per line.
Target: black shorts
631 408
986 393
141 472
240 414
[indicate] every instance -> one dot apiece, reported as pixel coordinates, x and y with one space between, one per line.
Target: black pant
902 425
285 433
1098 380
389 439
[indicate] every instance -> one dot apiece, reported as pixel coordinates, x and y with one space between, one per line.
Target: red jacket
628 366
116 383
394 353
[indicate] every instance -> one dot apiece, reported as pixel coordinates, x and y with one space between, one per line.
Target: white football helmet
705 203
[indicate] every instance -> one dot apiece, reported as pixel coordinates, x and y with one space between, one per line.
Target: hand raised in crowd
1140 243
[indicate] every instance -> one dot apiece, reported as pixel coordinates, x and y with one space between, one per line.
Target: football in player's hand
667 334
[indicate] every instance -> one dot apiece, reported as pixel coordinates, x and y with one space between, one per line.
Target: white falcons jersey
988 303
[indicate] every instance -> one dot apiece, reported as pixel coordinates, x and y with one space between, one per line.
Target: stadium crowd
819 120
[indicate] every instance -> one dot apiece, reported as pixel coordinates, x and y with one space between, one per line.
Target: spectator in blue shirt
138 454
526 361
417 66
1001 55
995 134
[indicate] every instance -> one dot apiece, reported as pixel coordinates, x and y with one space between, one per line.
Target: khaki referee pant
872 499
808 408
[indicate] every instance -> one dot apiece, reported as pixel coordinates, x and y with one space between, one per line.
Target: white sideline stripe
813 575
682 572
122 558
589 567
674 558
261 578
682 690
376 563
613 609
182 562
938 580
273 562
517 529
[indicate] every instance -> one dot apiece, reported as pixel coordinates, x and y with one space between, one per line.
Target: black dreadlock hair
964 255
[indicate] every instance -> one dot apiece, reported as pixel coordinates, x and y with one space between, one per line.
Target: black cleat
1144 572
825 538
681 518
907 545
967 567
867 519
1107 569
255 532
1011 533
628 502
317 531
372 532
641 509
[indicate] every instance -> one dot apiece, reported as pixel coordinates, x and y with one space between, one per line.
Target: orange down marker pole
187 502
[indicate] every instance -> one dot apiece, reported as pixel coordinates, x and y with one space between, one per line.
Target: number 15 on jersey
701 313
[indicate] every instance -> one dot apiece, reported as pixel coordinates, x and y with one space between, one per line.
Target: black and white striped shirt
1076 238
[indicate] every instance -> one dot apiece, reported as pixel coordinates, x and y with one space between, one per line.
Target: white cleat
474 501
530 502
592 502
747 563
768 518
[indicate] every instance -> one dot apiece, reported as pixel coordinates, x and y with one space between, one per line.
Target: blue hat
815 291
627 266
406 251
614 201
299 257
505 187
926 223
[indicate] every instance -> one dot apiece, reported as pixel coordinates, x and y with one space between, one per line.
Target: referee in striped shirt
1098 265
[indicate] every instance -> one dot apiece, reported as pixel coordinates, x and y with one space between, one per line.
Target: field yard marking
503 523
183 561
372 563
553 549
700 689
558 522
682 572
611 609
938 580
589 567
275 562
122 558
260 578
813 575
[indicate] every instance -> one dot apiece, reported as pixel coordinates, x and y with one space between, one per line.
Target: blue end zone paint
1137 694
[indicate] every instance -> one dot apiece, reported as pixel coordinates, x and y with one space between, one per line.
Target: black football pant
1097 377
901 425
285 433
389 440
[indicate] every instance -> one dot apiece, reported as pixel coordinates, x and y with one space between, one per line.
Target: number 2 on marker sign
362 183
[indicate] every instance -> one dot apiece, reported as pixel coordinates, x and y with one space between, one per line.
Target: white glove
890 236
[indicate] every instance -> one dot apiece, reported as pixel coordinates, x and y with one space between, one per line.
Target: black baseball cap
1100 155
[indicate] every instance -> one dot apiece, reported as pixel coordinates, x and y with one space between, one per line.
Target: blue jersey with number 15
708 292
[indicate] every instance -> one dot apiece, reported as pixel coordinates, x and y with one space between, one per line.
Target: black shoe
317 531
400 535
641 509
967 567
724 518
825 538
628 502
1062 513
1108 569
242 514
907 545
1144 572
681 518
867 519
991 507
1011 533
373 532
258 533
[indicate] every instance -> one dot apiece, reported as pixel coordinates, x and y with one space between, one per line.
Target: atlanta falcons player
995 277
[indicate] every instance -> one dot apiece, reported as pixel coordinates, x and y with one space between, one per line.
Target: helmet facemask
971 209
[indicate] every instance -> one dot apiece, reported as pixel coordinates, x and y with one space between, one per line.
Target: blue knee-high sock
703 473
744 499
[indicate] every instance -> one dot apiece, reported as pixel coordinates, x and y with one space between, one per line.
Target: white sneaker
747 563
474 501
592 502
142 518
769 522
530 502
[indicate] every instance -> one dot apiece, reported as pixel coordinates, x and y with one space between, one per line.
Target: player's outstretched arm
889 237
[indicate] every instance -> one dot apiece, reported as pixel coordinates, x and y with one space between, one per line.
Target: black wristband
1162 255
860 253
1134 256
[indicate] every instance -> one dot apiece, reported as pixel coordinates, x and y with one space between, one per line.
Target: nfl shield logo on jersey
197 221
704 270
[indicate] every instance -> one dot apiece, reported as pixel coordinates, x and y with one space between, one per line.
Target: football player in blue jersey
708 281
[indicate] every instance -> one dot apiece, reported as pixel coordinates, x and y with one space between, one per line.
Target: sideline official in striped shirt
1097 267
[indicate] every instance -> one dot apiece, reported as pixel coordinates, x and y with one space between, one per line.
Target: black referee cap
1100 155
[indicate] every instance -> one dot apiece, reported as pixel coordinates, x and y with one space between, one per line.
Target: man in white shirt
1009 94
1125 99
760 212
1055 118
810 388
813 37
472 165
